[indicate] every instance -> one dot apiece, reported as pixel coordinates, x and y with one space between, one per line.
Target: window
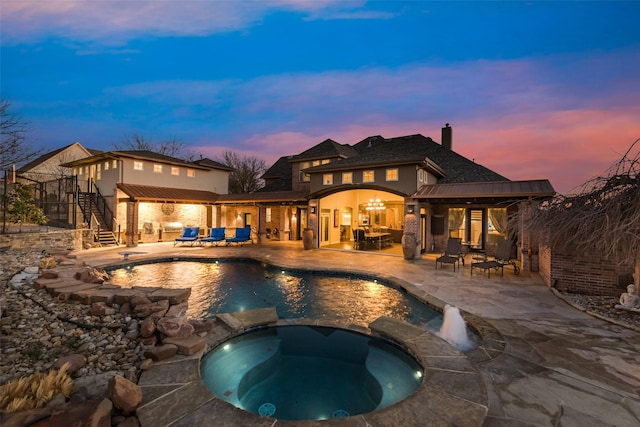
268 214
327 179
106 165
157 168
347 177
115 164
175 171
74 171
80 171
98 172
304 177
368 176
86 170
137 165
191 173
457 223
392 174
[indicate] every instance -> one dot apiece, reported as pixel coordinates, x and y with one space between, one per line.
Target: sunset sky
532 89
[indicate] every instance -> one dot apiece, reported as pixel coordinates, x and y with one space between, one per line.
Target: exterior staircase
99 217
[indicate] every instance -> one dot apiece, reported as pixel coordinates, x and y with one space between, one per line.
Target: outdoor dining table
378 239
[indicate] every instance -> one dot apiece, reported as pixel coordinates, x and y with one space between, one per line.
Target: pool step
229 366
389 373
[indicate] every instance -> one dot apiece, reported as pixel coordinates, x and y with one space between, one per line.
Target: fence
56 196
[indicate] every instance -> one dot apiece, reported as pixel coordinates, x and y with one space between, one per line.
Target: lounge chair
453 254
243 235
503 255
189 235
216 236
486 265
502 259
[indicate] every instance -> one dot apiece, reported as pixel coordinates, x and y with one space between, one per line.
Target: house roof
326 149
212 164
32 164
486 190
147 193
265 197
278 177
418 149
205 164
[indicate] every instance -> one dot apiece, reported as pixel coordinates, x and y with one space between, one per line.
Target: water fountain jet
454 328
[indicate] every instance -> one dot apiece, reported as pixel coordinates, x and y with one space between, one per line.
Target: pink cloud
567 147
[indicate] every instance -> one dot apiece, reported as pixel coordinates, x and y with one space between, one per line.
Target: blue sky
532 89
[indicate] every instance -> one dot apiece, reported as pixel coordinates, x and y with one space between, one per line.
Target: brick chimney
447 137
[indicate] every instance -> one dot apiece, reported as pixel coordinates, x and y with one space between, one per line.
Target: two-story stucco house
144 196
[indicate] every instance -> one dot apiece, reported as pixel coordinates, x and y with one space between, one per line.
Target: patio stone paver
550 364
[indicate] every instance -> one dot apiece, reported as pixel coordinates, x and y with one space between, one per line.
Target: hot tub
310 372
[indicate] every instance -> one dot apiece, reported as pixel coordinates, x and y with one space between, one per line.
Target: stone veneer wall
44 240
592 274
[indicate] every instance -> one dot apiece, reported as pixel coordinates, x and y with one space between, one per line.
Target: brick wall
592 274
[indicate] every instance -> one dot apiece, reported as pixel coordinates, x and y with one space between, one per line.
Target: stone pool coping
452 391
491 344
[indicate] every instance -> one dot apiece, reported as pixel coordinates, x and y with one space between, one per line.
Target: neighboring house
142 196
408 184
48 166
52 183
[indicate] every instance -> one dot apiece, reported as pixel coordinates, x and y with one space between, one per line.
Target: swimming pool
225 286
309 372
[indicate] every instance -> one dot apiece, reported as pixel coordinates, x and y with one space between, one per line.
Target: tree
21 207
603 216
13 146
170 147
247 170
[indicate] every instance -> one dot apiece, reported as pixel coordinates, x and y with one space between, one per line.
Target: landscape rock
144 310
161 352
124 394
178 327
75 361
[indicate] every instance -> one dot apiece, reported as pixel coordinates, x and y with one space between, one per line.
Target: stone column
411 234
262 223
312 222
132 224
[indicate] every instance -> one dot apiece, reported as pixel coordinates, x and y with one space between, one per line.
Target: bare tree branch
171 147
603 216
14 149
247 170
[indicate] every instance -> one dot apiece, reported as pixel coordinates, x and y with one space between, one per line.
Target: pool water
231 286
309 372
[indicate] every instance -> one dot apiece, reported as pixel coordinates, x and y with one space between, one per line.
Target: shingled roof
326 149
43 158
278 177
376 150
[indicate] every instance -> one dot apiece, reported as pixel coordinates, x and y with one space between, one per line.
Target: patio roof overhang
147 193
267 197
485 192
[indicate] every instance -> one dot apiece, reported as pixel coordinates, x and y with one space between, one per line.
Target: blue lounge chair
243 235
189 235
216 236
